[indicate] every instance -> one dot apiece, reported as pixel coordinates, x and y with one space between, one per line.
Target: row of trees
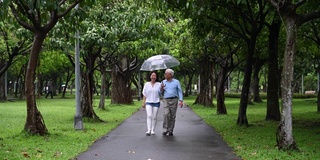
116 36
210 38
250 24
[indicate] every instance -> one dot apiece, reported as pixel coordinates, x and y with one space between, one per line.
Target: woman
151 101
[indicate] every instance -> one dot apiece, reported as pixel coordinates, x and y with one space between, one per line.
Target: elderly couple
171 91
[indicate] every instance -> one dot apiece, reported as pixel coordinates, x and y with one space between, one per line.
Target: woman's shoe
153 133
148 133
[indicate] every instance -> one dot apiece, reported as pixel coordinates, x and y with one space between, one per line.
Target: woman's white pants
151 117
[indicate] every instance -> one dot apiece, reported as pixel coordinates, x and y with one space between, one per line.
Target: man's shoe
165 133
170 134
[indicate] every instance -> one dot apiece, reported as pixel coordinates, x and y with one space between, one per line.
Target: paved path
192 140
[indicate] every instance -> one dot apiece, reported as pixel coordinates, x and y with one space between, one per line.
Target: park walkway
192 140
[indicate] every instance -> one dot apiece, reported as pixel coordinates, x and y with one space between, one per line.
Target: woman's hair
149 75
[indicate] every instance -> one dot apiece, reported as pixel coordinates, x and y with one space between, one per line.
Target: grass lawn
63 142
254 142
259 139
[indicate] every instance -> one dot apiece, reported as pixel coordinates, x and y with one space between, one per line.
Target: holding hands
162 86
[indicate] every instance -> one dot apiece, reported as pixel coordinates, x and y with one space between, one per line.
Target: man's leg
172 116
166 113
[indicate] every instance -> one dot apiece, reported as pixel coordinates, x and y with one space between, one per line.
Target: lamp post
78 124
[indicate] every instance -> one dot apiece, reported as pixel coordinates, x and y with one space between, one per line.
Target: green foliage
63 142
259 139
53 62
12 36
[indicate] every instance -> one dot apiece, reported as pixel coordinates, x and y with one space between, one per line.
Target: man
172 94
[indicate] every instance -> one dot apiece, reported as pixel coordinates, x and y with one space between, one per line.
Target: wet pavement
192 140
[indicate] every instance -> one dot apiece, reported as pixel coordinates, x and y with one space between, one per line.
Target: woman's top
151 93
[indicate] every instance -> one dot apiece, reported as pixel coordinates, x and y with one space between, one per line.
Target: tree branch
68 9
308 17
299 3
62 2
21 22
274 4
30 13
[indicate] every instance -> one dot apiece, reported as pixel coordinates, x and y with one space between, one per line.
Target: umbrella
158 62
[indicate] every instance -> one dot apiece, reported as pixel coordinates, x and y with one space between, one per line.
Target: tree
135 28
312 34
255 19
246 23
227 62
14 45
105 83
273 111
60 45
53 66
188 65
39 17
205 97
292 21
258 61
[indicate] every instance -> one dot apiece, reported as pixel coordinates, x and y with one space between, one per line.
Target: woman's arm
144 102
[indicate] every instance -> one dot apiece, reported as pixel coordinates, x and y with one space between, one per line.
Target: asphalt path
193 140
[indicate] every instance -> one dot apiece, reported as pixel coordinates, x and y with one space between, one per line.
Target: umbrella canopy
158 62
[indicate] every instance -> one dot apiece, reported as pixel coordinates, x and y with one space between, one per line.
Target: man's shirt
172 89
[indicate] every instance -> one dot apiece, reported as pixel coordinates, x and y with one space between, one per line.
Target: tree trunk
256 80
186 93
87 93
285 138
22 86
221 106
238 82
121 88
242 114
273 111
205 96
69 76
318 99
60 85
3 96
34 122
189 84
103 87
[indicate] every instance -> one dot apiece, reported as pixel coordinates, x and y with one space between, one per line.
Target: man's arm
180 93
